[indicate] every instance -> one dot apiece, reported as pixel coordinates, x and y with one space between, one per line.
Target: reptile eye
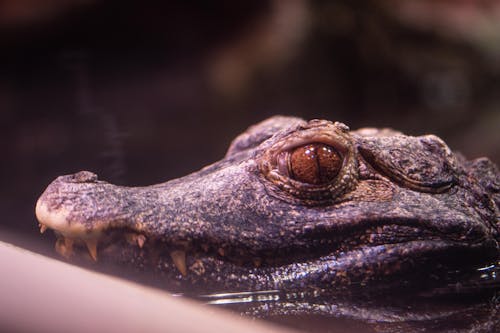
312 164
315 163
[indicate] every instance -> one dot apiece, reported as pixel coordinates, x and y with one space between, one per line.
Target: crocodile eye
314 163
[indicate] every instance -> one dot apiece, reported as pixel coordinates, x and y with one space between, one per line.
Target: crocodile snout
68 206
67 202
55 216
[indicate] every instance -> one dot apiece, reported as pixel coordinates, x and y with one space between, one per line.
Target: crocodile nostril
84 177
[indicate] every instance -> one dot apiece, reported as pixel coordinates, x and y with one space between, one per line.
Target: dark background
142 92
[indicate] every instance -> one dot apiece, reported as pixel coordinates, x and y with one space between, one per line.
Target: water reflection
470 303
242 297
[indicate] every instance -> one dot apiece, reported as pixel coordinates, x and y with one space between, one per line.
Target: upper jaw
72 206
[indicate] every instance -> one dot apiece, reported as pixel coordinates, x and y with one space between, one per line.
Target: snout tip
56 219
50 211
50 218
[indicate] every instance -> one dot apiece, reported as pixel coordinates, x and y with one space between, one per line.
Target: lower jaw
417 264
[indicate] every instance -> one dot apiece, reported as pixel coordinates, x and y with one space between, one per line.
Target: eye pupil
315 163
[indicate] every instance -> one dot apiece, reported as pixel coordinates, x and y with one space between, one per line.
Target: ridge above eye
314 163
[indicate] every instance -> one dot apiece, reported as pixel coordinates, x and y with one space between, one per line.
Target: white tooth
135 239
141 239
92 247
179 259
43 227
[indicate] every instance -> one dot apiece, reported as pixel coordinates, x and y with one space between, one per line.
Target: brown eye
315 163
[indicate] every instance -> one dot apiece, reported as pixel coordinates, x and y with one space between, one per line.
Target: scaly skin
398 207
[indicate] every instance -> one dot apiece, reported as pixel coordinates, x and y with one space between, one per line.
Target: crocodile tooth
92 247
141 239
64 246
135 239
179 259
43 227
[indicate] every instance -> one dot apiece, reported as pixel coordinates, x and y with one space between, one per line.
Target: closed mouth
385 248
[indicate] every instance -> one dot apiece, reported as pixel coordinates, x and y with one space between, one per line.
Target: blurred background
142 92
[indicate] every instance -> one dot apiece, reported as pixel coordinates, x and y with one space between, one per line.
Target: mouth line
127 253
310 247
120 242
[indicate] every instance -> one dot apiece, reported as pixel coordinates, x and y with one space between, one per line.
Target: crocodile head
293 203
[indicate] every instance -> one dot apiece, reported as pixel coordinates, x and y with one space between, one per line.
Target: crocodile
293 204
